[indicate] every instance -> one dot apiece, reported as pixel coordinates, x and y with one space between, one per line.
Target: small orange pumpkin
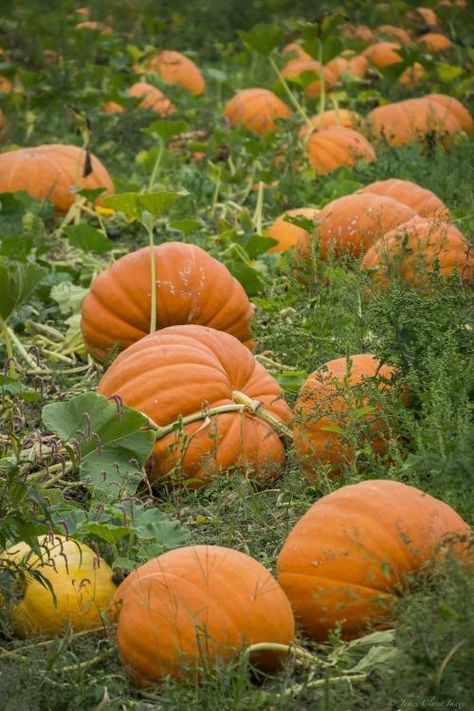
190 607
435 42
331 117
359 32
286 233
422 201
382 54
411 250
175 68
350 224
413 75
327 408
256 109
296 50
191 287
394 33
332 147
49 172
152 98
184 371
297 67
348 558
348 63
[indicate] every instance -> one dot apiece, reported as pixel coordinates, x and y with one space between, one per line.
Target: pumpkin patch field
237 355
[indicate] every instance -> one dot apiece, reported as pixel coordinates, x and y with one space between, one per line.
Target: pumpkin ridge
283 576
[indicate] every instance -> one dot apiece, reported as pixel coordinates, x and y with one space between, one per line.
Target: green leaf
68 296
124 563
113 444
108 532
262 38
448 72
132 204
91 194
186 225
88 238
17 284
166 128
291 380
259 244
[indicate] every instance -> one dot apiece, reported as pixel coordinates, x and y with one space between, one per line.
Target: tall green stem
156 167
8 346
289 93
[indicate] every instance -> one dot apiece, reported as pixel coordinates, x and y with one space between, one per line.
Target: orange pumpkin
175 68
331 117
112 107
49 172
355 65
183 370
412 120
256 109
454 107
286 233
153 98
434 42
190 607
297 67
350 224
296 51
348 558
327 413
191 287
394 33
359 32
6 85
335 146
422 15
422 201
382 54
411 250
413 75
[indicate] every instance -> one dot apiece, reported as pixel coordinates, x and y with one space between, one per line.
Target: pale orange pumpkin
424 202
184 611
331 117
296 50
327 413
434 42
191 287
152 98
349 63
382 54
286 233
359 32
353 553
184 371
412 250
49 172
454 107
297 67
413 75
175 68
332 147
256 109
394 33
351 224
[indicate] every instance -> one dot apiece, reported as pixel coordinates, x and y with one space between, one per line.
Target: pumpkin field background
184 171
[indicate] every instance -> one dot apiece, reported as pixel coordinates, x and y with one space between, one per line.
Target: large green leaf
262 38
17 284
88 238
113 443
133 204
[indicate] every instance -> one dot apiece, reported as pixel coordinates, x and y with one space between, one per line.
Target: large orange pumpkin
411 250
327 412
422 201
453 106
176 68
412 120
297 67
191 287
350 224
49 172
183 611
332 147
256 109
347 559
286 233
331 117
153 98
185 370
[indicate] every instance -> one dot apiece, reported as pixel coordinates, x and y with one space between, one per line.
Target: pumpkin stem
297 652
255 407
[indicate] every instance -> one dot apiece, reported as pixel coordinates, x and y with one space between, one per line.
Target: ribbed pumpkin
256 109
176 68
191 287
434 42
411 250
332 147
352 223
327 412
347 559
348 63
286 233
412 120
382 54
453 106
81 581
183 370
394 33
422 201
49 172
297 67
153 98
332 117
183 611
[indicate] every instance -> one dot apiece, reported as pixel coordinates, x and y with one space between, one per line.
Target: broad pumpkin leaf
17 284
158 533
262 38
113 444
166 128
88 238
133 204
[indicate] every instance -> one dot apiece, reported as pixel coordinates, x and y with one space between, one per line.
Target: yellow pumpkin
81 581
